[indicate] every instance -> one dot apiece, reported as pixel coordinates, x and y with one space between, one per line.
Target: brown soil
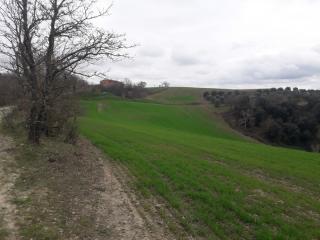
118 209
60 191
8 229
70 192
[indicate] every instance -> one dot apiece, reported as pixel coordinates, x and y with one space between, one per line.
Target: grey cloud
185 59
316 49
203 72
285 69
299 71
219 43
152 52
274 69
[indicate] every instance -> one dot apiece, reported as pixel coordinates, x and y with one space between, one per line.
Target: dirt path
80 187
86 192
119 210
8 229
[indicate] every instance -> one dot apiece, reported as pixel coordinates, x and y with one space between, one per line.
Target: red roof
108 83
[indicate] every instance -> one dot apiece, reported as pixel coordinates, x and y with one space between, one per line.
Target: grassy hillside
221 186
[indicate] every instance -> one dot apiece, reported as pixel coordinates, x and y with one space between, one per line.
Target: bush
279 115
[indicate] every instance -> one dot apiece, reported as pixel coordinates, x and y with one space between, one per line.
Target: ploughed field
218 184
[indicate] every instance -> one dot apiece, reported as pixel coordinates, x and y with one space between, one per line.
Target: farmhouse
108 83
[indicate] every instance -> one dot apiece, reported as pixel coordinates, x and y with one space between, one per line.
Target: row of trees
45 44
131 90
127 89
281 116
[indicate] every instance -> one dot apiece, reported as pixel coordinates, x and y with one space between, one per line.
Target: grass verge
55 192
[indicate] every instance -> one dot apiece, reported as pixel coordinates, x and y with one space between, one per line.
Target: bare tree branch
42 40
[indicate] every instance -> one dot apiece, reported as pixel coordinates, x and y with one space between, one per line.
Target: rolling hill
216 183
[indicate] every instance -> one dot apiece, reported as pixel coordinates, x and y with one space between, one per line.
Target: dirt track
116 212
7 180
117 208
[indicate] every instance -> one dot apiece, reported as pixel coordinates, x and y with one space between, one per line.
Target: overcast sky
215 43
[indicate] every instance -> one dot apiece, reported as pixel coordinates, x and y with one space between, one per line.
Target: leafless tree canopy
44 41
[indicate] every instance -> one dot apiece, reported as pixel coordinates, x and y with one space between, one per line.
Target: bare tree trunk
31 74
34 126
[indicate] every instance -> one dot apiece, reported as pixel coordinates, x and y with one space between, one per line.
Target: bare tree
44 41
164 84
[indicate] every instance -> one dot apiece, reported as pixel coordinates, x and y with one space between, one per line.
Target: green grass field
221 186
